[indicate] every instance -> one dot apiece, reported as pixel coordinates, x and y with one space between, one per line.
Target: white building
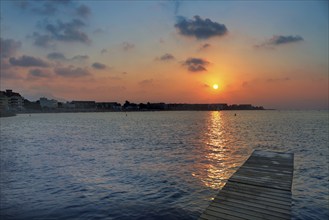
48 103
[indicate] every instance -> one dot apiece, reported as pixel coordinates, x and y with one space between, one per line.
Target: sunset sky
269 53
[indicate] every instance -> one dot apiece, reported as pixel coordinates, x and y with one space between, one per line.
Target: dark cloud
83 11
196 64
280 40
68 32
56 56
71 71
127 46
43 40
61 31
99 66
39 73
166 57
8 47
199 28
277 40
28 61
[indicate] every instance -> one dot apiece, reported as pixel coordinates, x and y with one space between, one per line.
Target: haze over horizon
268 53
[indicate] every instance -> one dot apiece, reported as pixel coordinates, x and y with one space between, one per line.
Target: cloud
62 32
99 66
104 51
127 46
71 71
205 46
56 56
28 61
46 9
44 40
177 5
166 57
277 40
80 58
199 28
280 40
146 82
275 80
83 11
61 57
196 64
8 47
39 73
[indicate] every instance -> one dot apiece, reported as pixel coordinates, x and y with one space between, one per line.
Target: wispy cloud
9 47
28 61
56 56
166 57
205 46
280 40
71 71
99 66
39 73
83 11
127 46
196 64
146 82
200 28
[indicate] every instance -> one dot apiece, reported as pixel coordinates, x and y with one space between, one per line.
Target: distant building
111 106
84 104
4 104
14 99
197 107
48 103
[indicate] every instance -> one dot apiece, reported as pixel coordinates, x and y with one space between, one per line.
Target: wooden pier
260 189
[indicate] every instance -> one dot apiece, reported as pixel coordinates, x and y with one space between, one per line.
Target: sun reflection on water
220 159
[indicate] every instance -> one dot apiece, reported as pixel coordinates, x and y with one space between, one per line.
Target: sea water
151 165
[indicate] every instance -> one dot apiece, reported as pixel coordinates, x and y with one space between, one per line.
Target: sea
151 165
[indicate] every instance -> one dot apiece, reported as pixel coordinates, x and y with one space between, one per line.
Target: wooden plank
259 192
248 211
260 208
260 189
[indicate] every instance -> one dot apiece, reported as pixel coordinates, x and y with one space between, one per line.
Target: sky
265 53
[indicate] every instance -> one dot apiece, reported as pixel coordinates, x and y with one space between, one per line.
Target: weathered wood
260 189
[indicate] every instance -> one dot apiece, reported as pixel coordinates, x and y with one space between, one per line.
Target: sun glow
215 86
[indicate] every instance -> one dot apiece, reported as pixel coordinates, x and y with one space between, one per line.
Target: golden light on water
220 162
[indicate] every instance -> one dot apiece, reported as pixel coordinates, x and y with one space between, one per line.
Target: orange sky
263 53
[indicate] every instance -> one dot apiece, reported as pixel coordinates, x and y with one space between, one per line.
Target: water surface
151 165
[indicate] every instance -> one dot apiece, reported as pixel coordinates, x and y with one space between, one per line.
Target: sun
215 86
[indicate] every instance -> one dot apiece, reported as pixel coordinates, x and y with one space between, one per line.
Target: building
110 106
48 103
4 103
15 100
84 104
